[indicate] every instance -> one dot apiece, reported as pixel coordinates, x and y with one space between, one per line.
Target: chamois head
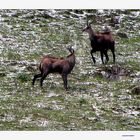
70 49
88 27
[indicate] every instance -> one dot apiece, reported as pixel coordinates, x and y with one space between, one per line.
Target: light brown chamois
100 42
63 66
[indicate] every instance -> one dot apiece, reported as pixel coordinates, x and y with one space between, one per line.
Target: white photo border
70 4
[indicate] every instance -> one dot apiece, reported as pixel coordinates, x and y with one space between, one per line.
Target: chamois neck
71 58
91 33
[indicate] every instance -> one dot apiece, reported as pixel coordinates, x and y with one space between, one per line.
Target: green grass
92 102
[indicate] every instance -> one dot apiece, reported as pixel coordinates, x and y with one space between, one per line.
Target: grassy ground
93 102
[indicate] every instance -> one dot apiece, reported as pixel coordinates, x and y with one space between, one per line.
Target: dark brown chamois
100 42
63 66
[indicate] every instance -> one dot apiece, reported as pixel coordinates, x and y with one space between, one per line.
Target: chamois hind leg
64 77
44 75
35 77
106 55
93 58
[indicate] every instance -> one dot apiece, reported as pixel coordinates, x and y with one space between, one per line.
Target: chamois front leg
112 48
102 57
64 77
44 75
93 58
113 57
106 55
113 52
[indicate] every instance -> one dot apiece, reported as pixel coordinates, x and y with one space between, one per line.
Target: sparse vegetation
94 100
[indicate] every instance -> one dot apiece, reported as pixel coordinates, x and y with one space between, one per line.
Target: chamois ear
68 48
87 22
91 22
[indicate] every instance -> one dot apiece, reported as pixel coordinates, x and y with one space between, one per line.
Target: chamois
63 66
100 42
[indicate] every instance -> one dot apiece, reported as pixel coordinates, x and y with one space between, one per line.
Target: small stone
122 35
